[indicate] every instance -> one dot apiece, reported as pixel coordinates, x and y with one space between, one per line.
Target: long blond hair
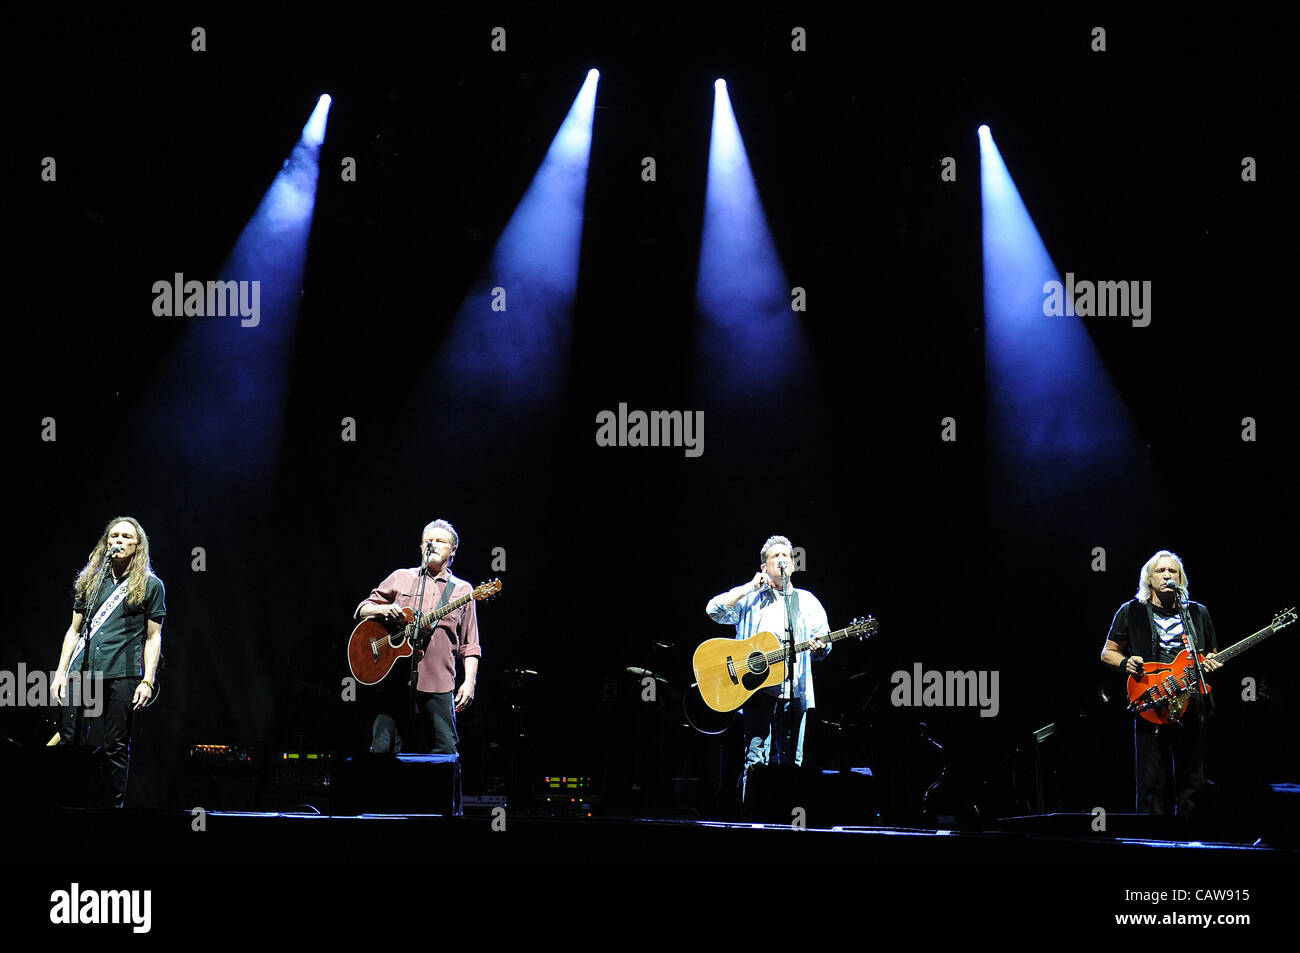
137 575
1144 579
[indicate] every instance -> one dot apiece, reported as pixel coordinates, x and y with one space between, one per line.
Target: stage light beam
1062 443
751 338
510 347
225 385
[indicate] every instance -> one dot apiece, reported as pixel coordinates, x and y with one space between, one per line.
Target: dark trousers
1169 758
773 733
435 727
110 736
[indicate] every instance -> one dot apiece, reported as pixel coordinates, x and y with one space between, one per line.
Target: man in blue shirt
760 606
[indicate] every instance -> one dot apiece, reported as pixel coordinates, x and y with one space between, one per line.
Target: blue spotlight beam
751 338
510 347
219 404
1061 440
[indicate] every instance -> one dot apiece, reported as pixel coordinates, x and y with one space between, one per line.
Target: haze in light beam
519 356
751 337
225 384
1060 437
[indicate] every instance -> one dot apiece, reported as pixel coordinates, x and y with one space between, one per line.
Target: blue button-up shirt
764 611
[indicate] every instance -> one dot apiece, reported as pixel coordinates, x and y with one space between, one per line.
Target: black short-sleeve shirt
1132 631
117 650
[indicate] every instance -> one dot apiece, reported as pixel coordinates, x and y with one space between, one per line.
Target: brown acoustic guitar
1160 695
728 671
376 644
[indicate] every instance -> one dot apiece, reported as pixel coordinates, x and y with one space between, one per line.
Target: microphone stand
1190 633
788 719
417 644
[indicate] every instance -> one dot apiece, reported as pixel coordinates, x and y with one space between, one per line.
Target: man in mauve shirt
454 636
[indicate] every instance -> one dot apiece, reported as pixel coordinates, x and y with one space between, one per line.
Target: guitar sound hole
756 663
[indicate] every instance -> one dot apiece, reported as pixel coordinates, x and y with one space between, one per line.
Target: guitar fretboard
782 654
1245 643
426 619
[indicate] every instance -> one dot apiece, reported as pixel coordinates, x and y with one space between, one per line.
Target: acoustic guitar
728 671
376 644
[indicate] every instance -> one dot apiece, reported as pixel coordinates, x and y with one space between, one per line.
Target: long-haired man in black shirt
117 640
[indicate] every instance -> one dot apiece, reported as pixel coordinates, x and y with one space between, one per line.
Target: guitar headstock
863 627
487 590
1283 619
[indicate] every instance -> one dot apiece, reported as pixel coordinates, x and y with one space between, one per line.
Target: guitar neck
832 637
1245 643
436 614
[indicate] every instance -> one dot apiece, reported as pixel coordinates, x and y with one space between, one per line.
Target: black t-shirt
1133 631
117 650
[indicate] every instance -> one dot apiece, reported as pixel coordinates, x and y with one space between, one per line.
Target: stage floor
325 873
226 837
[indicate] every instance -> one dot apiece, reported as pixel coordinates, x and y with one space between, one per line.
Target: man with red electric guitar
455 635
771 716
1147 634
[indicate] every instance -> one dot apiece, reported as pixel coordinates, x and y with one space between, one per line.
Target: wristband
145 681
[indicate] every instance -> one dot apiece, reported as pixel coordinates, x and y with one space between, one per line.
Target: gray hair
1144 578
773 541
455 537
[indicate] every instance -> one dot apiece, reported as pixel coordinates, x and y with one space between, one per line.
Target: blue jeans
767 731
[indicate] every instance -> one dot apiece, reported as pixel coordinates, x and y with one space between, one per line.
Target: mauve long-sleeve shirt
455 634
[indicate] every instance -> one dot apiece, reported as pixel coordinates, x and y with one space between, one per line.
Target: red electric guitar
376 644
1161 694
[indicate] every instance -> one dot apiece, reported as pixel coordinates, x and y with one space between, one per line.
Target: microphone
645 673
117 548
784 565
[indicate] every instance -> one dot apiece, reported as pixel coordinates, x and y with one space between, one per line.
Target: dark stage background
1128 160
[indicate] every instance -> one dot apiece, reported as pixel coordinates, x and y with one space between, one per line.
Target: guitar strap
1153 631
1192 640
105 610
448 586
